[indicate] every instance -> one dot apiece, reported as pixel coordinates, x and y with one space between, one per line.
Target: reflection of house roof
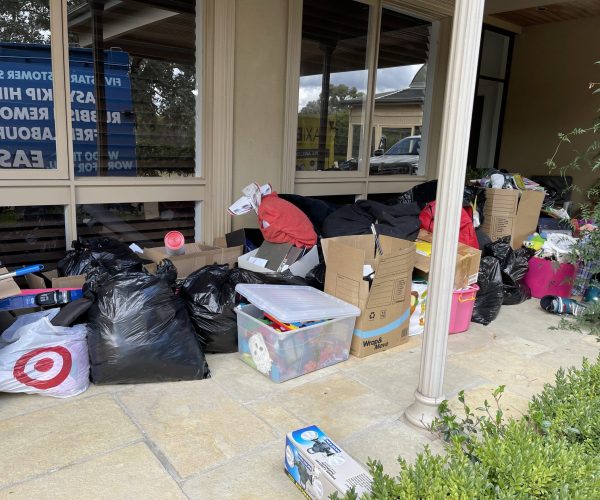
413 94
405 96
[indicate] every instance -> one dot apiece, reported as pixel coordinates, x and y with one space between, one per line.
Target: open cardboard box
467 262
196 256
51 279
385 305
510 212
8 286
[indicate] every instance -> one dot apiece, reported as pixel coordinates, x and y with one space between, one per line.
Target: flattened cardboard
298 268
467 262
507 215
8 287
385 306
278 255
250 235
195 257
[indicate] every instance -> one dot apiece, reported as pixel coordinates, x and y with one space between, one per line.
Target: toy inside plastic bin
285 355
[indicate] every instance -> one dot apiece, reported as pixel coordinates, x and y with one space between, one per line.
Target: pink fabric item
282 222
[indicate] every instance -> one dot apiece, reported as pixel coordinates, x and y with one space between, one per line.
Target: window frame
214 106
358 182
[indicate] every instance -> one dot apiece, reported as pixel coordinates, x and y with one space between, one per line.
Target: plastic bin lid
290 303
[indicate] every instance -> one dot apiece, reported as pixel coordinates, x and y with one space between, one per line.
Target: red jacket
282 222
466 234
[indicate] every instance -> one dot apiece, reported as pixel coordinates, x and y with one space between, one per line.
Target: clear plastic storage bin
285 355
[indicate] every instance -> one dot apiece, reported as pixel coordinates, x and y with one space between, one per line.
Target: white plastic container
285 355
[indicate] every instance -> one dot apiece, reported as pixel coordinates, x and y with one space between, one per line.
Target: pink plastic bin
462 309
546 277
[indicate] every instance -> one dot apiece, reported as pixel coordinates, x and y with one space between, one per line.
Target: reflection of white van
401 158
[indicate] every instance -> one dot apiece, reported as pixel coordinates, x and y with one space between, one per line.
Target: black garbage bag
316 277
514 265
491 294
139 330
107 253
209 294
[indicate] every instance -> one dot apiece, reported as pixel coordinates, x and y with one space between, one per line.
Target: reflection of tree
164 106
162 91
339 113
26 21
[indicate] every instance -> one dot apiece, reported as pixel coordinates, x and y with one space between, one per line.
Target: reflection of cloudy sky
387 79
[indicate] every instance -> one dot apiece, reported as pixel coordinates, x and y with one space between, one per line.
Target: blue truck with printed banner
27 131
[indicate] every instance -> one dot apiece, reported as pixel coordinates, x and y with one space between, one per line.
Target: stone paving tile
255 476
570 355
389 441
525 376
37 442
127 473
338 404
476 337
522 346
12 405
512 404
280 420
195 424
245 384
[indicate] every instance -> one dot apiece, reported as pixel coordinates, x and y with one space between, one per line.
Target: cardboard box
320 468
195 257
507 214
298 268
467 262
385 305
8 287
51 280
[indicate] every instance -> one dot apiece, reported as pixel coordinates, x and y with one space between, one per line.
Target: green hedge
553 452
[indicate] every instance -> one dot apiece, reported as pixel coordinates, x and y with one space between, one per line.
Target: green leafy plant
571 407
553 452
587 250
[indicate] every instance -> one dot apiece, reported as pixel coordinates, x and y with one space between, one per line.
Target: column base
423 411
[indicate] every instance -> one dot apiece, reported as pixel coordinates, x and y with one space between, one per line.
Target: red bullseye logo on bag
49 365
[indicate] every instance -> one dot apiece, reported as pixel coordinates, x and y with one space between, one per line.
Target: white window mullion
61 87
369 105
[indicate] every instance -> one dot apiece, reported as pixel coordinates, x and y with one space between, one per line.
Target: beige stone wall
259 90
548 93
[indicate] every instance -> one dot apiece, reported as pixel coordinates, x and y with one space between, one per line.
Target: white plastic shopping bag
37 357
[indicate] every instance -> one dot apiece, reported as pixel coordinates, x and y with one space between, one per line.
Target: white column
456 127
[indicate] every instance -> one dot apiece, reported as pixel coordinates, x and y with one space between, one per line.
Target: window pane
143 223
27 139
401 79
32 235
393 134
486 121
138 118
494 54
333 82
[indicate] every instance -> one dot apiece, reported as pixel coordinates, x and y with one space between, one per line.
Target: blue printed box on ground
319 467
